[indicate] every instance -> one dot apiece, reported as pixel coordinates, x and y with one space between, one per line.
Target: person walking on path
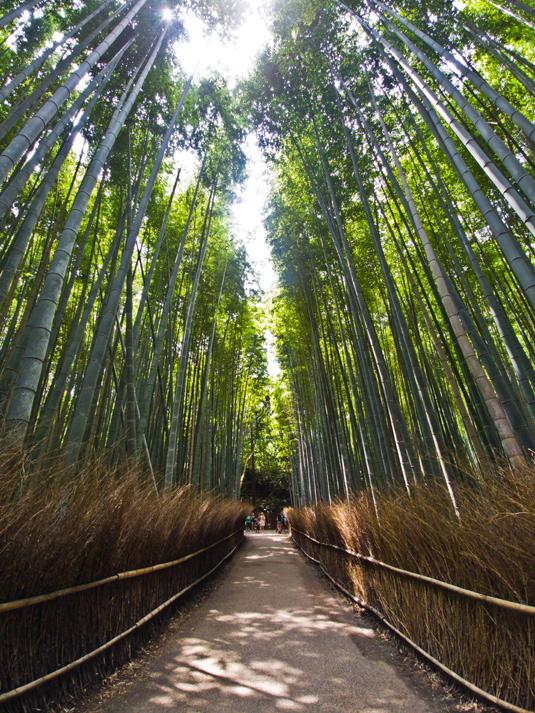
262 522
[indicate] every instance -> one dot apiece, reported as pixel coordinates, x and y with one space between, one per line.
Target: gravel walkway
272 637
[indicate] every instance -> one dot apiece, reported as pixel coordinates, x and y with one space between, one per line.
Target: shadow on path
272 637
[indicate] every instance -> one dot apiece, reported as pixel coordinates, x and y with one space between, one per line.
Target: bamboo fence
484 643
91 627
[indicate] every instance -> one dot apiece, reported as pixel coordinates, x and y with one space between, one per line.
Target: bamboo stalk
39 599
503 603
16 692
455 676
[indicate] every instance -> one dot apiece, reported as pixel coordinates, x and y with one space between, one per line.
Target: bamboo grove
129 329
402 222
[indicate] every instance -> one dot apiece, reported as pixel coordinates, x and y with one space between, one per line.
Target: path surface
272 637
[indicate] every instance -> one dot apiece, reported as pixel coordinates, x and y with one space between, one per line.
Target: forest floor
273 635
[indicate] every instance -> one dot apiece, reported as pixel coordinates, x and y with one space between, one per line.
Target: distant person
284 523
279 524
254 523
262 522
248 523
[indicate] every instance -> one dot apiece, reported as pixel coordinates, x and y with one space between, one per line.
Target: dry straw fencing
485 643
94 624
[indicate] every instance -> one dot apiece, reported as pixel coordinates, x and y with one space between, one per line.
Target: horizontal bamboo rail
448 671
39 599
495 601
26 688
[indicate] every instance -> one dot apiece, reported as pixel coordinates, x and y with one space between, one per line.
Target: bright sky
248 213
235 60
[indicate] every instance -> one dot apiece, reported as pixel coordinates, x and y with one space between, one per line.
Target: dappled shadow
277 640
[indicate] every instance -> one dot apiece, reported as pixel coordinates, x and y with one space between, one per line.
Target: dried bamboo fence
484 643
92 626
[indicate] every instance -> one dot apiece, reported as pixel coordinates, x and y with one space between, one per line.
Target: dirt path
272 637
